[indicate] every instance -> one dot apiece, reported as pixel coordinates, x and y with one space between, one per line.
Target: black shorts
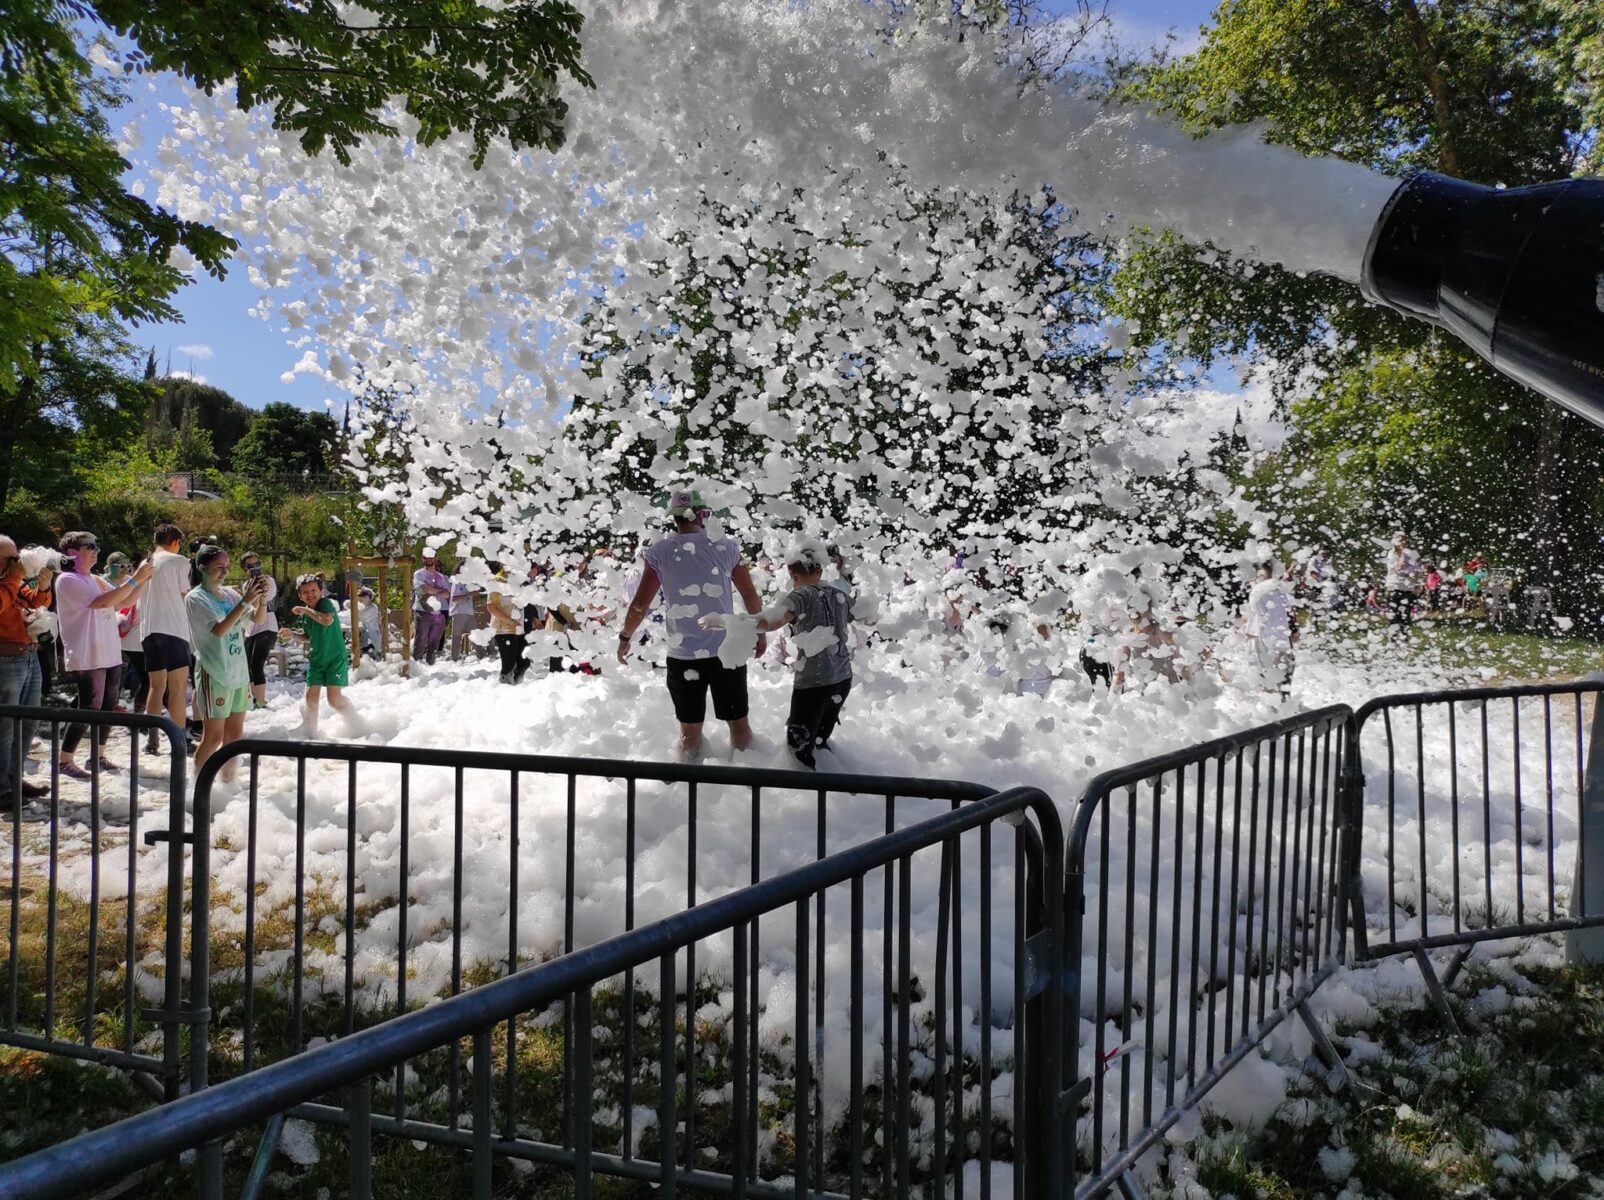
689 681
164 652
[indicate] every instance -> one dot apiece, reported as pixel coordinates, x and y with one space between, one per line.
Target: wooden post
356 564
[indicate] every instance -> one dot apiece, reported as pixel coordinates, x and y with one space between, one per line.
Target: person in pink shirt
86 607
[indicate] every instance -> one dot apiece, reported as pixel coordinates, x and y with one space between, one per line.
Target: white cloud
189 375
200 350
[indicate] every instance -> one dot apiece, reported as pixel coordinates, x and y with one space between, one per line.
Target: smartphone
255 572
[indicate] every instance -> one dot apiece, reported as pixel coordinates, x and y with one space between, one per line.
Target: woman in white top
263 633
1403 582
1272 633
86 606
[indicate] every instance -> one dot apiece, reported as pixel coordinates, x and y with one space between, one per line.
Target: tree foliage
82 257
285 442
1392 422
185 403
329 71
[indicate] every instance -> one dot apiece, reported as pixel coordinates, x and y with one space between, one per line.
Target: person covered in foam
698 575
820 617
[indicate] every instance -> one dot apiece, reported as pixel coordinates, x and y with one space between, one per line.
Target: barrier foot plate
1129 1188
1337 1073
1439 998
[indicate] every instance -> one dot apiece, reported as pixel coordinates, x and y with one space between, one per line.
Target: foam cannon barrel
1517 274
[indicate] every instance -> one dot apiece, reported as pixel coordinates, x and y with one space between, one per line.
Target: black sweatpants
511 648
1400 609
814 712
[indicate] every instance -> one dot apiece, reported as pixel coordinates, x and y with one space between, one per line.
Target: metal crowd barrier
1477 796
81 846
589 819
883 1107
1204 897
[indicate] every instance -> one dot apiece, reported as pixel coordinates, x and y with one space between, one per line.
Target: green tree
82 257
1392 423
82 392
285 442
192 444
211 409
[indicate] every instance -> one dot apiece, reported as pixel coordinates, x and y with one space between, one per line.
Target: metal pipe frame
205 1116
172 1015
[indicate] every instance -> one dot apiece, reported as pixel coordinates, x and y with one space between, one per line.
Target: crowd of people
173 635
169 633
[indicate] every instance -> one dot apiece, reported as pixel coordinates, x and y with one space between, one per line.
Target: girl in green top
318 625
217 623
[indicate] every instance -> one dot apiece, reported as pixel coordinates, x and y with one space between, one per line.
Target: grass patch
437 1087
1455 642
1513 1109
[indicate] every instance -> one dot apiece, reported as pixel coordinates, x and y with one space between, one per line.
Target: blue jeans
19 684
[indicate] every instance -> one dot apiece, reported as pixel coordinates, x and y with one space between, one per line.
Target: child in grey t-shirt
818 615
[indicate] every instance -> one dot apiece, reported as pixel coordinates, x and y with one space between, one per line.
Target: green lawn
1466 644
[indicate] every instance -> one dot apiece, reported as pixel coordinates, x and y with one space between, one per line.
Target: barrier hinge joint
1038 951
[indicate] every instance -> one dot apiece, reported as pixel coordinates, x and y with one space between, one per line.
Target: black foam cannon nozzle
1516 273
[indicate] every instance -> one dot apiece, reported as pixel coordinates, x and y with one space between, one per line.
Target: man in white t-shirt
164 630
696 575
1270 628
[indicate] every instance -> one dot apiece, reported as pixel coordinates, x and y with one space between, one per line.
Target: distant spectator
19 674
1475 574
1434 583
367 619
507 632
263 633
1495 594
1147 651
1271 630
463 619
1402 583
86 606
431 596
39 573
133 681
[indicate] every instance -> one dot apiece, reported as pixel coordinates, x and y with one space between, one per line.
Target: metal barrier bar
519 775
1492 769
1236 841
523 777
377 1051
108 815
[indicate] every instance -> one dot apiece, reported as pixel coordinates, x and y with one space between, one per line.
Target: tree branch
1437 82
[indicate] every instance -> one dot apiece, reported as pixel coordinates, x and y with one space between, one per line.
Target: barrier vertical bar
1587 890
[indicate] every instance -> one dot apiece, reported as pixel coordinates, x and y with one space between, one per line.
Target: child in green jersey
318 625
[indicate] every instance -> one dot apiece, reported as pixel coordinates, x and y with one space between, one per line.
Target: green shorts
217 701
331 673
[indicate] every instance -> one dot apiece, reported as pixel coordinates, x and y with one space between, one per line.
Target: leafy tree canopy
329 70
82 257
206 408
1392 422
286 442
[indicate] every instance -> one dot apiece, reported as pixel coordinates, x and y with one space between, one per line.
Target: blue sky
222 343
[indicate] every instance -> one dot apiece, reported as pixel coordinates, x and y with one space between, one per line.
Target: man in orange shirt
20 677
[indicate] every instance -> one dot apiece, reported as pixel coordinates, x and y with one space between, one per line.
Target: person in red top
19 674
